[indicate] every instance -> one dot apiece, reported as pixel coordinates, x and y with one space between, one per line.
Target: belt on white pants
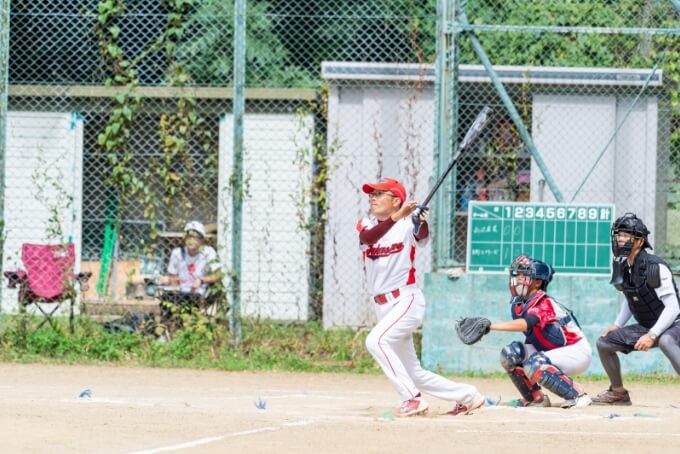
387 297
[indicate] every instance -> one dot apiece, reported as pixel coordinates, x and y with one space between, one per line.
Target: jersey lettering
389 263
374 252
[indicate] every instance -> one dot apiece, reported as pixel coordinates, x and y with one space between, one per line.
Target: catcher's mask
631 224
531 270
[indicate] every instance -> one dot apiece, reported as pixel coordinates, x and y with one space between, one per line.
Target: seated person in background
193 268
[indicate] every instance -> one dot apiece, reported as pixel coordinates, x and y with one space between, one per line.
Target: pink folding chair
48 279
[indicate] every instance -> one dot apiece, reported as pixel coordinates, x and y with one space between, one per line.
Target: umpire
652 299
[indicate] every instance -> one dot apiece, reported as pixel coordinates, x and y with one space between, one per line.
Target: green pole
239 104
446 128
4 86
512 111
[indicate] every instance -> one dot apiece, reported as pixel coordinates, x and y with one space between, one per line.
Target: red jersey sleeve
545 312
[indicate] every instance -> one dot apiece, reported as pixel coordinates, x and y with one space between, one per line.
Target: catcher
554 346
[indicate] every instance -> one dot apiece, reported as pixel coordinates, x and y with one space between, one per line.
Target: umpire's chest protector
638 286
546 338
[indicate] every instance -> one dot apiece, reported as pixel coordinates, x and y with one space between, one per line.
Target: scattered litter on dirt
387 416
493 401
85 393
260 404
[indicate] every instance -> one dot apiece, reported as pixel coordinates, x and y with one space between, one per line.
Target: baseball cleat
581 401
542 402
460 409
413 407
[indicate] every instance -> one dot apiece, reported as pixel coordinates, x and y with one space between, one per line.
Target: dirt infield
165 410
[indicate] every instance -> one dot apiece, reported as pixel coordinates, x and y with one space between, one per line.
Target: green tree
209 52
567 49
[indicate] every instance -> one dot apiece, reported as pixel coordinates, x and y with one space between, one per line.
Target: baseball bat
472 134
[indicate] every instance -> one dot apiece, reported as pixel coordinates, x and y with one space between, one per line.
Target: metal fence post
446 127
239 80
4 86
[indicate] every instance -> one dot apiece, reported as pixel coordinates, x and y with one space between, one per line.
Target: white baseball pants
572 359
391 344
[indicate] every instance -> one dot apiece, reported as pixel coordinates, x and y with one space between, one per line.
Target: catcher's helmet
628 223
533 268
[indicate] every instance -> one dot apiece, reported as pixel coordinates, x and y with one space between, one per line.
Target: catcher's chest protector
543 339
641 296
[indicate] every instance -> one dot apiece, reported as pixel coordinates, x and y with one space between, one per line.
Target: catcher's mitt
471 329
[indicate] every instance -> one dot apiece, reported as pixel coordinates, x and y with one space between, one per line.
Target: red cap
387 184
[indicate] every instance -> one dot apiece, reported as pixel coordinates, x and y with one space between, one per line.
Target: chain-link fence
596 85
120 131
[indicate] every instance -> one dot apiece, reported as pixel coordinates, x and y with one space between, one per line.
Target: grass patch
205 344
266 345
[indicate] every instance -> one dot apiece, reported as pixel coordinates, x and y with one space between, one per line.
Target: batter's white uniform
389 266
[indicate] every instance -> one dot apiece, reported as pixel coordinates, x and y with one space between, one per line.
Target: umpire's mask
631 224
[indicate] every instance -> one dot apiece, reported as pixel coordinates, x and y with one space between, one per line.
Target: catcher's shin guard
541 371
512 357
527 390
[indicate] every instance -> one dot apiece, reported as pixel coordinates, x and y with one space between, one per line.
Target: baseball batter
389 238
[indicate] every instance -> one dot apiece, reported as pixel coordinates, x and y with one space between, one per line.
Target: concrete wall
43 187
274 260
573 134
593 300
372 132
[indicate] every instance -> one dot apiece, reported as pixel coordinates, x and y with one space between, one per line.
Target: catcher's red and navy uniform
555 328
554 348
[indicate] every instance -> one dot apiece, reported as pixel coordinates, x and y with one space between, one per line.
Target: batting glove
420 214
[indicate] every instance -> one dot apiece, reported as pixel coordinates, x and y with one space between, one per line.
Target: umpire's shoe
611 397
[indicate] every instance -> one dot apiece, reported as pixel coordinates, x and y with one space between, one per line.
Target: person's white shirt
189 268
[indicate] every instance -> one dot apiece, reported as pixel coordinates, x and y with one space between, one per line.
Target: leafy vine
184 127
115 140
178 130
317 156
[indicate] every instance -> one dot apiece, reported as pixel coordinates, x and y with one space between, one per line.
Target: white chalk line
108 401
156 402
572 433
469 419
146 402
556 415
512 415
304 422
207 440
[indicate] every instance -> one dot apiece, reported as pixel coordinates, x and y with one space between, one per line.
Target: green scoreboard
574 239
